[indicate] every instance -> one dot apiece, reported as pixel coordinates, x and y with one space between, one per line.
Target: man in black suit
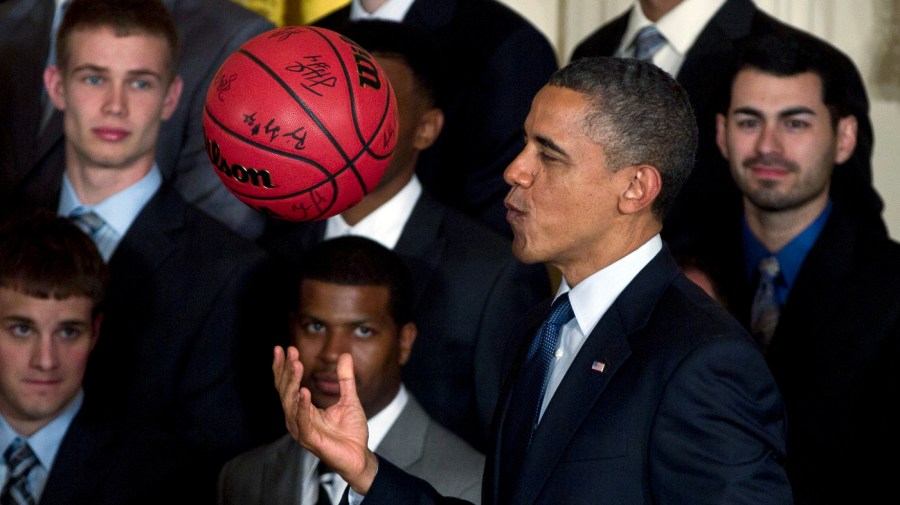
493 61
651 392
52 284
188 325
834 334
468 285
701 56
33 156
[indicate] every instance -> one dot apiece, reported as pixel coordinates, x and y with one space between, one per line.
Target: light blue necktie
647 42
95 227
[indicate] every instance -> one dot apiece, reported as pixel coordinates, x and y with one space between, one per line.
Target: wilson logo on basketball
240 173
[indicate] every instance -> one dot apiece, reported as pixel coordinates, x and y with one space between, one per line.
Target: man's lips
326 383
111 134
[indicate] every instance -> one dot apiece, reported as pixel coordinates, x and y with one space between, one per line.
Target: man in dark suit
34 157
833 335
52 283
186 328
639 388
355 296
494 60
710 199
467 282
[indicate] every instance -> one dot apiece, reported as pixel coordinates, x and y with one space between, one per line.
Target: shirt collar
681 26
385 224
592 297
44 442
120 209
791 256
392 10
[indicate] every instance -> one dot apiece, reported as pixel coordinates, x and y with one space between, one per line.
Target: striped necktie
647 42
766 310
20 460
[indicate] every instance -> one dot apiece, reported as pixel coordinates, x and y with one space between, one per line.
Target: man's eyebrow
549 144
792 111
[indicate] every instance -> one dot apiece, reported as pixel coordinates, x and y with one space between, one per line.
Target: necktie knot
89 221
647 42
19 460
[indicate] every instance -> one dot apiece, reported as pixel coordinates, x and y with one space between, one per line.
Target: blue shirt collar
120 209
791 256
44 442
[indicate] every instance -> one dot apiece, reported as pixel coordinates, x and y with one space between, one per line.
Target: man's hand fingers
346 380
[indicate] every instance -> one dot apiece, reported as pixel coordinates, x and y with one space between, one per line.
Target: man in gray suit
33 156
355 296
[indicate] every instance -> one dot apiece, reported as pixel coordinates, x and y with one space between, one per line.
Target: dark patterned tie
528 394
765 310
647 42
19 459
326 484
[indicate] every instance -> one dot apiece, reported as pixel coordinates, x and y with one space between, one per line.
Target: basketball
300 123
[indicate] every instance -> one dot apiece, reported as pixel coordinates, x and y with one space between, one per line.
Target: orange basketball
300 123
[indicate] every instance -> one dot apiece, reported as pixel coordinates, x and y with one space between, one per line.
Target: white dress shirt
392 10
385 224
681 26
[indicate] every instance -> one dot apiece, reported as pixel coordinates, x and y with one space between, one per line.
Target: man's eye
21 330
363 332
70 333
314 328
93 79
141 84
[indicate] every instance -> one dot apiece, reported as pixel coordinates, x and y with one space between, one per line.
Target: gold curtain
293 12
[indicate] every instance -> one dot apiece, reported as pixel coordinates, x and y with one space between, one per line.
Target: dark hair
125 17
639 114
46 256
408 43
358 261
787 53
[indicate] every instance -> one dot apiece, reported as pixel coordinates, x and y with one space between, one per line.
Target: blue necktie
647 42
19 459
766 310
528 394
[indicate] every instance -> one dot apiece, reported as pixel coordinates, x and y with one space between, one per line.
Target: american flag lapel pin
598 366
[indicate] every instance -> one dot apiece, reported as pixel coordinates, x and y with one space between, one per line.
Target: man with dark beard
819 293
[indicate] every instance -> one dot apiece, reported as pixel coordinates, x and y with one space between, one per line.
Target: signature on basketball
223 84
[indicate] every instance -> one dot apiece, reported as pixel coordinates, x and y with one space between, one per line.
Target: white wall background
867 30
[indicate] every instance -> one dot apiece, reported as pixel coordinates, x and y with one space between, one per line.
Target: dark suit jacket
468 287
31 165
416 443
710 199
188 330
834 355
103 461
683 412
493 63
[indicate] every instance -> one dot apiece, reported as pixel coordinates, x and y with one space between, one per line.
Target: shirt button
559 352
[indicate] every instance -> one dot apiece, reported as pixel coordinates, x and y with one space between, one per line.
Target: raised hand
337 435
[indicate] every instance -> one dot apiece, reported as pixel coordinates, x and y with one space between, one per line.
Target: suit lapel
581 388
421 243
404 443
282 473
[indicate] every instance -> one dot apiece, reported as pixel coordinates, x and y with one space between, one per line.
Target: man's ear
846 131
54 86
407 338
720 135
173 94
95 329
644 185
431 122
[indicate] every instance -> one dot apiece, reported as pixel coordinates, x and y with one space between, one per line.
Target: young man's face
779 140
114 94
44 348
333 319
